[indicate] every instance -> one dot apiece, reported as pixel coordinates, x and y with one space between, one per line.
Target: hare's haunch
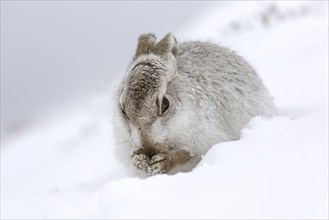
179 99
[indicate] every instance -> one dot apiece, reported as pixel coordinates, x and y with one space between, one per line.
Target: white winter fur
212 91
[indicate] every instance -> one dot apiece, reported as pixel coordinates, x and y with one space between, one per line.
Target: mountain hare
179 99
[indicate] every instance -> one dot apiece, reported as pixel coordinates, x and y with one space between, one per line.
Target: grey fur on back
219 78
213 93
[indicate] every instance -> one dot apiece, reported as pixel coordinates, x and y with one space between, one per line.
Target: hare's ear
146 43
167 45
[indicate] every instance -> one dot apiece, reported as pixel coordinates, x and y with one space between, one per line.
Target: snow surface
65 167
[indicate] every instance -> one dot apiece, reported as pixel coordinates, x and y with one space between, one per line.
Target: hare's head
146 102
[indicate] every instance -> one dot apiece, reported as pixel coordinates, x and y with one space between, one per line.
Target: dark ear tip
166 45
170 37
145 44
150 37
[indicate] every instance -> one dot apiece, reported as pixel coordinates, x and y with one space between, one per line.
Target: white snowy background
64 166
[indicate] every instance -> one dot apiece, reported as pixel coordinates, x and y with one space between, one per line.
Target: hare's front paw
158 164
141 160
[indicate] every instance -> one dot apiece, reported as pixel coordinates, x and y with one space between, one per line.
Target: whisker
108 146
119 143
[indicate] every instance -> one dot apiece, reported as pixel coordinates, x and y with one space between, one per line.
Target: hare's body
211 93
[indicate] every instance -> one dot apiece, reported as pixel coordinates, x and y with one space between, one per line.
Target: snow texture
65 167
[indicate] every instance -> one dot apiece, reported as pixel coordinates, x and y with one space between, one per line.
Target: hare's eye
165 105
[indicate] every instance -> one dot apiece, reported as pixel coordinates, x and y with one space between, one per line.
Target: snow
65 167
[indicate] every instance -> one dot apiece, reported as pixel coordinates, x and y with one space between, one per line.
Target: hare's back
204 58
226 79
